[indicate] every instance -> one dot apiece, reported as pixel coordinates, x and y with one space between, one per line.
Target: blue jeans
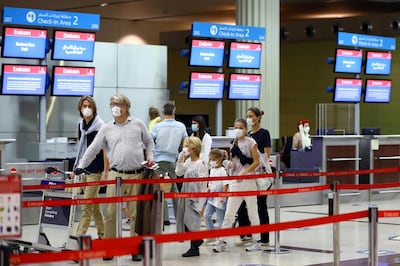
210 210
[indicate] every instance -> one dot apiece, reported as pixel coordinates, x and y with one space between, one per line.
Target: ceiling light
366 26
104 4
395 24
310 31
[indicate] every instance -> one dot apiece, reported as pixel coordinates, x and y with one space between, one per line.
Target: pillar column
264 13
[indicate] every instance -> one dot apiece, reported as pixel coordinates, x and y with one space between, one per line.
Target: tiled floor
304 246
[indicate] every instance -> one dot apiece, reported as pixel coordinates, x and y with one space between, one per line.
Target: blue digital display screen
207 53
347 90
244 87
378 63
24 43
245 55
377 91
76 46
23 80
348 61
206 85
73 81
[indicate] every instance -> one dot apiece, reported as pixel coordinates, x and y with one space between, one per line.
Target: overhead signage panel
50 18
366 41
224 31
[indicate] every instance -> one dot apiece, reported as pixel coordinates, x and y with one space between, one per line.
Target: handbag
264 183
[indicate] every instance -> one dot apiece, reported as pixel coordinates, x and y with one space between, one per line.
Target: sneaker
192 252
220 247
244 240
255 246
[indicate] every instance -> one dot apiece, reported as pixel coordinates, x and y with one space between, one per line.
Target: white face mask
86 112
213 164
185 151
238 132
306 129
116 111
250 122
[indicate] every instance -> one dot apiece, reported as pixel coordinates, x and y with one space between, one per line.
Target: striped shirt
124 144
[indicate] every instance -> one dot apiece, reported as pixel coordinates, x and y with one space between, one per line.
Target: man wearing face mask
88 128
168 136
127 141
301 139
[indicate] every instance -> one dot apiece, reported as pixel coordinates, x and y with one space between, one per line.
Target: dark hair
153 113
256 111
202 126
92 102
169 109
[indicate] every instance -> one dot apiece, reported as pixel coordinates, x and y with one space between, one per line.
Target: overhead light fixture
310 31
284 33
395 24
337 27
103 4
366 26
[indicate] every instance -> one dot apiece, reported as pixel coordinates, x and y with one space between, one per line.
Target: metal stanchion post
149 251
85 243
118 213
277 248
336 228
373 236
159 200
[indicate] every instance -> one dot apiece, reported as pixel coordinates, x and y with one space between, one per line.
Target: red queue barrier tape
145 181
130 245
198 179
63 202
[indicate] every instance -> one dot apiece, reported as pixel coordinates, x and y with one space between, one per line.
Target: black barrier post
159 201
373 236
85 243
149 251
118 213
278 184
333 210
4 253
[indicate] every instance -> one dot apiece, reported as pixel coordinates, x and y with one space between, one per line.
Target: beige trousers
91 210
127 190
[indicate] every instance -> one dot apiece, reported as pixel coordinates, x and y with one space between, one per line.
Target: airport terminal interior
355 144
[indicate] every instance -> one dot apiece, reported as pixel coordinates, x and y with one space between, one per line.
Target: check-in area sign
50 18
225 31
366 41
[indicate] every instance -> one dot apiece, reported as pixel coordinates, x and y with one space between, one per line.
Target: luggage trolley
58 217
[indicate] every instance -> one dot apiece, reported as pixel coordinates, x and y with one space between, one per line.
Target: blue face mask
195 128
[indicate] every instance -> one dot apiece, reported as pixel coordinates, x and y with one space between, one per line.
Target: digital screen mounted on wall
245 55
24 43
378 63
206 85
23 80
76 46
207 53
347 90
348 61
73 81
377 91
244 87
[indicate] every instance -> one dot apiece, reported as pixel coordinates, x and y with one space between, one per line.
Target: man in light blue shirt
168 136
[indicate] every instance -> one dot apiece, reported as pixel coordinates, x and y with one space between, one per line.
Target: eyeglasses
116 104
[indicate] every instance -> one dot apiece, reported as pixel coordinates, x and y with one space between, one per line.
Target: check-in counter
330 153
380 151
